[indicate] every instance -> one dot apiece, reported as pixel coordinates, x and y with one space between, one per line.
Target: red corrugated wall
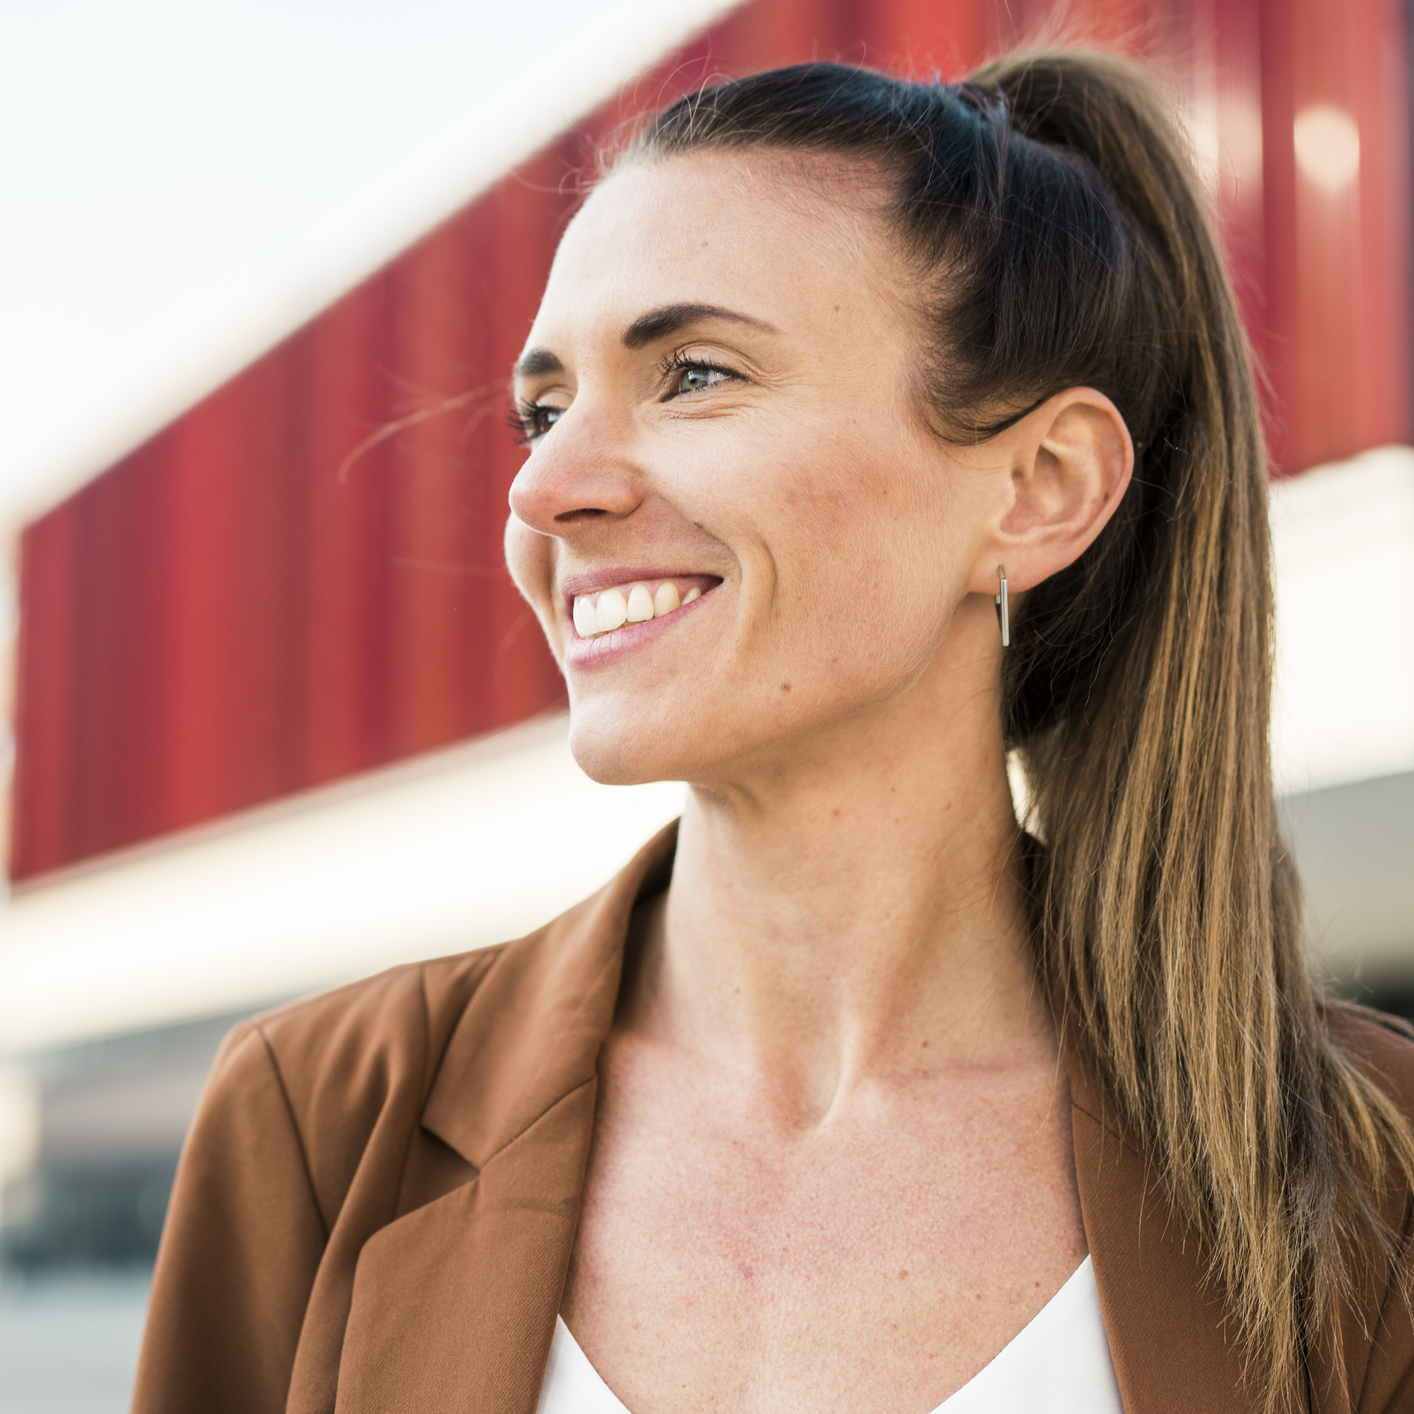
236 611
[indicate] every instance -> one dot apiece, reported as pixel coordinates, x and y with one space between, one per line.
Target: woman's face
717 391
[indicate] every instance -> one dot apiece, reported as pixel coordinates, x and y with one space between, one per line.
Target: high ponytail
1050 210
1169 911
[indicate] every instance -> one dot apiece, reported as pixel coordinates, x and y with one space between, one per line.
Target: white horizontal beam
1344 551
454 851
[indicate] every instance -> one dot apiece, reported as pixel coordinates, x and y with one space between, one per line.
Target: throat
832 958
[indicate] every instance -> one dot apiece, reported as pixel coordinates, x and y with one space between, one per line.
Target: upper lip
592 581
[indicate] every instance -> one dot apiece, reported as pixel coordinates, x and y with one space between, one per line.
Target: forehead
760 232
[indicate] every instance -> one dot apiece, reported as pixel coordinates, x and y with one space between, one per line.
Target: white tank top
1059 1364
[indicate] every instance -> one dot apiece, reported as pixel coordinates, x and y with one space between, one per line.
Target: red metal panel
1337 260
1232 58
347 562
926 37
230 609
301 577
46 682
1378 90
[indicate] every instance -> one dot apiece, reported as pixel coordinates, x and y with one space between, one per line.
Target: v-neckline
587 1384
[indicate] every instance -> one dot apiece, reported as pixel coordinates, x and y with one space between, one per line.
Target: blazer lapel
1165 1321
454 1303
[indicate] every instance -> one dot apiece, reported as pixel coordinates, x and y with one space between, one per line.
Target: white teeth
611 611
640 604
586 621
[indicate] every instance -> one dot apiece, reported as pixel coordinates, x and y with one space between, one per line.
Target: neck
832 925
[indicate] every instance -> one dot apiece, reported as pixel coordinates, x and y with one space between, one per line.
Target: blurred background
277 717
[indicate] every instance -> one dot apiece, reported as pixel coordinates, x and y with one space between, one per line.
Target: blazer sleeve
239 1252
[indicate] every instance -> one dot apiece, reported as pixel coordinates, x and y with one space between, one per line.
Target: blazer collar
454 1304
1169 1337
532 1031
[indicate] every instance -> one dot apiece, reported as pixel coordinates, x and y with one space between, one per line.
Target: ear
1071 461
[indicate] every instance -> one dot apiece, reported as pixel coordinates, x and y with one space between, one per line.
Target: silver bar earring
1003 613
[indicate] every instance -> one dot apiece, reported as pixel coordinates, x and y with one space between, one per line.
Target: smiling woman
849 1092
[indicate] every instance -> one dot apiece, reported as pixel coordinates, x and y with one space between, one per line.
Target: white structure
453 850
1344 716
1344 539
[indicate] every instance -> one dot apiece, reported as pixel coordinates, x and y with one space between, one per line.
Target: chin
616 751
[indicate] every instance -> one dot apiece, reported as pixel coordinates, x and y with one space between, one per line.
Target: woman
876 429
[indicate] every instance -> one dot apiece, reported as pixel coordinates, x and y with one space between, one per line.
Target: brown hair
1050 208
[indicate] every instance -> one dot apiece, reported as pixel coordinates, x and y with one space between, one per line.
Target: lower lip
583 653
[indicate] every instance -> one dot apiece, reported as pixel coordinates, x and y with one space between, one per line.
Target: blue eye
699 376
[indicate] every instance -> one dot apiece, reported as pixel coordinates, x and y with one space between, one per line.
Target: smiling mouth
636 602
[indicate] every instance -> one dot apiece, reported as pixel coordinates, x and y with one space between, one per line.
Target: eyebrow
660 323
646 329
536 361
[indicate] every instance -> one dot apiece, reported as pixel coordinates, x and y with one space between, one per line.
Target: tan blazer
376 1205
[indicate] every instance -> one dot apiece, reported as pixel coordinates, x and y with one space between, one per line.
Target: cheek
864 544
852 576
530 559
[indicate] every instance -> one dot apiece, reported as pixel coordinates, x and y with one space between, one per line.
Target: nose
575 478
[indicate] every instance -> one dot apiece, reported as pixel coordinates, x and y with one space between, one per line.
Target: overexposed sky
181 181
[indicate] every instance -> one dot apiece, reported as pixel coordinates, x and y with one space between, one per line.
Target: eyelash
678 360
522 421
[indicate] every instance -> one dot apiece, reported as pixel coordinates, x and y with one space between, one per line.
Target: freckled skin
831 1166
873 1263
